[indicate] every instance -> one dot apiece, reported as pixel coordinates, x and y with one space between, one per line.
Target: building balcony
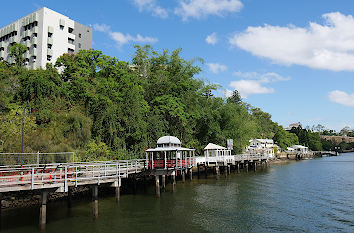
71 46
34 30
50 29
50 40
27 55
72 36
34 40
26 33
33 52
2 44
12 40
49 52
2 54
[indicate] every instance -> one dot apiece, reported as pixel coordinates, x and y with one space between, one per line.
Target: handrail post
127 168
99 174
66 179
32 178
75 176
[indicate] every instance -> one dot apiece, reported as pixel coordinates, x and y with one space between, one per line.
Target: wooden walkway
61 176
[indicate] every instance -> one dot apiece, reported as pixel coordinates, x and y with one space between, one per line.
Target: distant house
300 149
293 125
262 145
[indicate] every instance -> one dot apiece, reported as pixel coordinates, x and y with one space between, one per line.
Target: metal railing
36 158
35 176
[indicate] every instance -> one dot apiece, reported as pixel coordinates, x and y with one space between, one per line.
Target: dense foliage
104 108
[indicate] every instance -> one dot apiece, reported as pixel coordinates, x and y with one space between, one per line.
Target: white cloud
212 39
329 46
121 38
342 97
265 78
151 6
250 87
216 67
253 83
202 8
101 27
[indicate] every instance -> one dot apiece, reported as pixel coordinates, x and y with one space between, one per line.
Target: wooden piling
69 197
255 166
217 171
173 181
198 167
190 174
117 194
43 210
225 171
95 201
206 171
157 183
246 166
238 167
164 182
183 176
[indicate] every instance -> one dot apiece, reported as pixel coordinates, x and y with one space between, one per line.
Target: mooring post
157 183
43 210
173 181
183 176
164 182
95 201
190 174
217 171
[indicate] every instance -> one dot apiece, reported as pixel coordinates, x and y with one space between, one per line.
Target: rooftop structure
47 35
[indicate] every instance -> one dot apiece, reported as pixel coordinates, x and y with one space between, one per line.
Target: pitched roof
212 146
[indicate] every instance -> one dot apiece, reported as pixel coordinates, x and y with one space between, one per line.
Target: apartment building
47 35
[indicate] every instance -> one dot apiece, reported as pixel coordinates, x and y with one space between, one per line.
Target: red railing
171 163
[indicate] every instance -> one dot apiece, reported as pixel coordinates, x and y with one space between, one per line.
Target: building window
49 46
79 46
70 50
70 30
34 46
79 35
70 41
49 58
61 27
50 35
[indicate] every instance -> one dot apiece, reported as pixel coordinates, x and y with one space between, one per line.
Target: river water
307 196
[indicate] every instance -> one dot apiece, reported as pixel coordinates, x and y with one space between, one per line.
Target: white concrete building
47 35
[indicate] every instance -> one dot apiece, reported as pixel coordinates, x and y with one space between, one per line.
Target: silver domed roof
168 140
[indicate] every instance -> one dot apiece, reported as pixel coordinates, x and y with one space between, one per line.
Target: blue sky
293 59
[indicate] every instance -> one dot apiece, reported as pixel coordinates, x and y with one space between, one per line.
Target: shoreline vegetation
102 108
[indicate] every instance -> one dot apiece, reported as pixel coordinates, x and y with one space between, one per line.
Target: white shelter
215 154
169 154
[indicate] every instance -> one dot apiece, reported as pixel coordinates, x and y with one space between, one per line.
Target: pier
168 160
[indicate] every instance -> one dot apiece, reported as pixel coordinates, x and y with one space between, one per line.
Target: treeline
103 108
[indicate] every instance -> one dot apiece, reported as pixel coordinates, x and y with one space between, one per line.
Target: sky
292 59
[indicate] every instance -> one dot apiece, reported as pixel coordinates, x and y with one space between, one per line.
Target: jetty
167 159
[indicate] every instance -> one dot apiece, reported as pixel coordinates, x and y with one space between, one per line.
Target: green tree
17 52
